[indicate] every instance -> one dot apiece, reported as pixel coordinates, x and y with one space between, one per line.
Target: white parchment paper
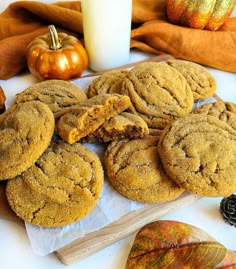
110 207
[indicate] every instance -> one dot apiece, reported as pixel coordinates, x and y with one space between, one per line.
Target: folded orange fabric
151 31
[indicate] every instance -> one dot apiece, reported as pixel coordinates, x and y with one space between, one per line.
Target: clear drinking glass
107 27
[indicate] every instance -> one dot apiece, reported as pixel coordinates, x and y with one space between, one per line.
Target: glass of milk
107 27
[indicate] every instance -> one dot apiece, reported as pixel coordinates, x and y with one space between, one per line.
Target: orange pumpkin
199 14
56 56
2 100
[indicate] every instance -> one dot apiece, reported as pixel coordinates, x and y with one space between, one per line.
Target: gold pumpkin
56 56
199 14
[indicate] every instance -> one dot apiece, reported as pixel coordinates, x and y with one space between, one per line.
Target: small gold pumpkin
56 56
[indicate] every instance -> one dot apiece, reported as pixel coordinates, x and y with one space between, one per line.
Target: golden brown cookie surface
134 169
25 132
108 82
62 187
201 81
158 93
121 126
57 94
199 153
88 116
225 111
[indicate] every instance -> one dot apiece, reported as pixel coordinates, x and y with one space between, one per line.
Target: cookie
123 125
201 81
225 111
135 170
61 188
154 132
57 94
158 93
81 120
199 153
26 130
108 82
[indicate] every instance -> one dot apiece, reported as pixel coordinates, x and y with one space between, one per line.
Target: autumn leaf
171 244
229 261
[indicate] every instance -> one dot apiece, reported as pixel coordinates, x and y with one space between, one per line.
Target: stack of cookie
156 146
54 182
50 183
162 165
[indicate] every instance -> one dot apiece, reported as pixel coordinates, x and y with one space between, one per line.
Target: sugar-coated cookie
225 111
158 92
121 126
108 82
199 152
83 119
135 170
62 187
57 94
201 81
26 130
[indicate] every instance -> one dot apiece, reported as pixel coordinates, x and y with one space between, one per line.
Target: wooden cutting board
128 224
95 241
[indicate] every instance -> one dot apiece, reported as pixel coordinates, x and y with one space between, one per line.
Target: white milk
107 26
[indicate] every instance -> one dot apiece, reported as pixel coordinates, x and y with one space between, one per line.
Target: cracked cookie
83 119
201 81
108 82
199 153
62 187
135 170
121 126
225 111
158 92
26 130
57 94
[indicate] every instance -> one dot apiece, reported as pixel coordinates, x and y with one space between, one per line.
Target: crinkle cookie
57 94
158 92
225 111
123 125
85 118
199 153
62 187
201 81
26 130
135 170
108 82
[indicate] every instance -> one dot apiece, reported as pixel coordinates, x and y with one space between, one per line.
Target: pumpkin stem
55 43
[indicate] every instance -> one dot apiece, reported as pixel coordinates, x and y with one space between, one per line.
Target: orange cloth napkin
151 32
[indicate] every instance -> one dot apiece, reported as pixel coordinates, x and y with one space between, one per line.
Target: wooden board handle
128 224
159 58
